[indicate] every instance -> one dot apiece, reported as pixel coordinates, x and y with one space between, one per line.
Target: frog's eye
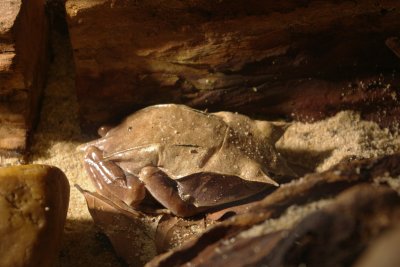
130 128
103 130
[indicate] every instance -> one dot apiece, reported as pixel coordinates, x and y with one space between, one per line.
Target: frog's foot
165 191
110 180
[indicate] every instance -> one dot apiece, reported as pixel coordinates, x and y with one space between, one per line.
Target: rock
23 68
302 60
33 206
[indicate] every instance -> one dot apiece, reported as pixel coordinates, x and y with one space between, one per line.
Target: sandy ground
314 146
54 143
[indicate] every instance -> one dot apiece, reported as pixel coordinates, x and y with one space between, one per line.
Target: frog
188 160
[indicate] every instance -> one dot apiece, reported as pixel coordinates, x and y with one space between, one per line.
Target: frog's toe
110 180
108 170
165 191
92 157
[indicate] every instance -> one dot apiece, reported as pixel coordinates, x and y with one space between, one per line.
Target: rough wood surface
23 61
382 252
361 208
268 58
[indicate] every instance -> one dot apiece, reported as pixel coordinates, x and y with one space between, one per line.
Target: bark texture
361 210
23 66
297 59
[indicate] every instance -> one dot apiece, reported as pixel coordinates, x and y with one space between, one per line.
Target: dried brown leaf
129 231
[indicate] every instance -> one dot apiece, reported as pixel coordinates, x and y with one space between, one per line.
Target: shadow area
58 118
304 161
85 245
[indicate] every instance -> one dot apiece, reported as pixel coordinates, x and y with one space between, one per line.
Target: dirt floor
313 146
54 143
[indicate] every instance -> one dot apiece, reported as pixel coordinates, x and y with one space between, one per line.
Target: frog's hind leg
111 181
165 191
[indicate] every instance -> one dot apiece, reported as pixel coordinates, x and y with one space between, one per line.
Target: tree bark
23 67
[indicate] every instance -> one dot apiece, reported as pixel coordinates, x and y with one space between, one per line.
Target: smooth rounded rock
33 209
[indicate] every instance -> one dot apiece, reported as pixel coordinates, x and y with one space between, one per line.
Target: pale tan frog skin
188 160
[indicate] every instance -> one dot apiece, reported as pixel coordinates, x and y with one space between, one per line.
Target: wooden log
23 67
382 252
358 199
248 56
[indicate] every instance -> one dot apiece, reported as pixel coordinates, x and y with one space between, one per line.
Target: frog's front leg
111 181
165 191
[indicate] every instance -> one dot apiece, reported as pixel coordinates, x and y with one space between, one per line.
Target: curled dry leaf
131 233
